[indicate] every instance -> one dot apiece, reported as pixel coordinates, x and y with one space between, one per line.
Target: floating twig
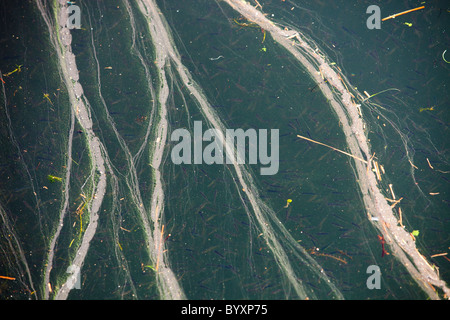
312 251
395 203
335 149
412 164
430 164
257 5
402 13
377 170
370 161
392 191
439 254
400 219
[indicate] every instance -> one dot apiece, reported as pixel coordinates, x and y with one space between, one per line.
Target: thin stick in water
401 13
325 145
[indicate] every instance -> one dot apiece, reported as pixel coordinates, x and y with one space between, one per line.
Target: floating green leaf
151 267
53 178
415 233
